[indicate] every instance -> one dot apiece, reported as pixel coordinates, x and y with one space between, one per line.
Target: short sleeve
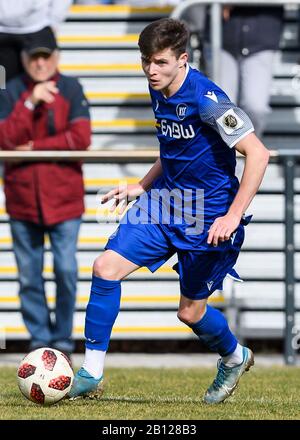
230 121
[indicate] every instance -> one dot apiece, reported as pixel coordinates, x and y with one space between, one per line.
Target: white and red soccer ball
45 376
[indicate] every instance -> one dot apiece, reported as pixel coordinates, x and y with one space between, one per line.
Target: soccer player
199 130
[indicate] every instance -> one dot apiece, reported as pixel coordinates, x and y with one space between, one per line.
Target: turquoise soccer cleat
227 378
85 385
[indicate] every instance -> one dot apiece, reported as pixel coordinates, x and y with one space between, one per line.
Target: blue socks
213 330
101 312
104 306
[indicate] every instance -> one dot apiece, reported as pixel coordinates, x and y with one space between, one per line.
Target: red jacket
44 192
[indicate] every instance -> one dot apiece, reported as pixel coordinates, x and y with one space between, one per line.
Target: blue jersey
197 128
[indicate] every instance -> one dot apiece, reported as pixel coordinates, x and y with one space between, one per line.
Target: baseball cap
41 42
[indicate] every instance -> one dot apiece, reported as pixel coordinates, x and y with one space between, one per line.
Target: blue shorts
201 272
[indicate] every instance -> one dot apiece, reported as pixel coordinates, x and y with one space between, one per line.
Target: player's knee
189 316
102 268
182 316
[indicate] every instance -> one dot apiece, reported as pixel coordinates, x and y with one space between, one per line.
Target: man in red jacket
44 110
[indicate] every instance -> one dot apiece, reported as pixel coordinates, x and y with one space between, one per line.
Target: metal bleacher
99 45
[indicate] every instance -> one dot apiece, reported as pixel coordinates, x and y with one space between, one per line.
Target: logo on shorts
181 111
209 285
233 237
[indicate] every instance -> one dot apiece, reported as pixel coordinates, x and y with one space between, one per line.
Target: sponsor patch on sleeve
230 121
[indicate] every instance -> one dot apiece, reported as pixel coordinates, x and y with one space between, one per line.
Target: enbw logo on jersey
181 111
176 131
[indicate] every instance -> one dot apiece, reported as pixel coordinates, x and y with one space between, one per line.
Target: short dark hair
163 34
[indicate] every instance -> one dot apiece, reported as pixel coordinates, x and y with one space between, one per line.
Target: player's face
164 71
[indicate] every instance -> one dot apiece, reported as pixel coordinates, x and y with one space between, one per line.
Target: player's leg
130 247
103 307
211 326
101 313
200 275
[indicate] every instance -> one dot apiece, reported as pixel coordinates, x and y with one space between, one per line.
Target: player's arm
257 157
126 193
237 131
152 174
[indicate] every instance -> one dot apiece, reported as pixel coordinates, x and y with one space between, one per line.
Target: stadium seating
99 45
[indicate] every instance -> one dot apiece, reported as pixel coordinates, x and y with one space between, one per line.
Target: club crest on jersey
181 110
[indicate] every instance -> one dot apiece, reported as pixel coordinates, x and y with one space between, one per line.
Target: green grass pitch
146 393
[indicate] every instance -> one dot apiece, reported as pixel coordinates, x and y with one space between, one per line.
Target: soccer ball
45 376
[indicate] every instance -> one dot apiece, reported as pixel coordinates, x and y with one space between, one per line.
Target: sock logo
209 285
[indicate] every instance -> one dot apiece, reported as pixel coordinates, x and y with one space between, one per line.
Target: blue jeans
28 244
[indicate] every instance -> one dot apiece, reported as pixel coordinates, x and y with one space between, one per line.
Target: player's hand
222 228
44 92
122 195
